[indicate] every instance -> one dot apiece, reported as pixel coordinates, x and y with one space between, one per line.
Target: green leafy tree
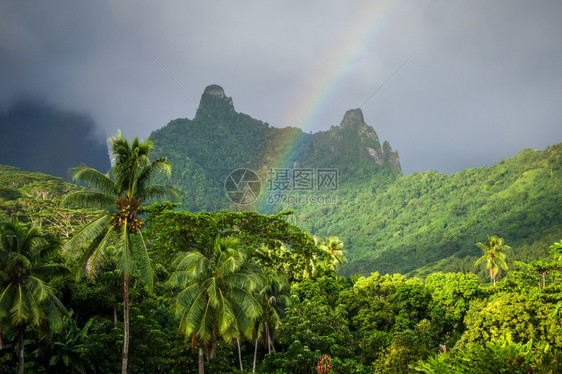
538 271
451 295
217 295
118 229
371 303
65 348
524 316
333 247
501 355
493 255
274 242
311 329
26 299
274 298
556 250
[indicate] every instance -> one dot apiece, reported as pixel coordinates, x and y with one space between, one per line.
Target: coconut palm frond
89 200
91 232
159 166
218 297
125 262
141 257
161 192
94 179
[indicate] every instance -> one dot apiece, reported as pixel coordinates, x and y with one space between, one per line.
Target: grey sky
483 79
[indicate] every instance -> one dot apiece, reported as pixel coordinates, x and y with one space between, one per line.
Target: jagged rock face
353 121
366 132
215 101
215 90
375 155
352 117
219 140
353 131
389 156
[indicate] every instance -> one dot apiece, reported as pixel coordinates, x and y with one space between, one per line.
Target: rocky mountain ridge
219 140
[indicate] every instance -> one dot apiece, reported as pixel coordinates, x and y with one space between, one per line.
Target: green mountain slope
425 217
388 222
205 150
32 196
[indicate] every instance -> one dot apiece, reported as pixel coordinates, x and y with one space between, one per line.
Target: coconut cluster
128 209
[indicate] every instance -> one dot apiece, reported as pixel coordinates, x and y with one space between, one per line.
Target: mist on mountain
38 136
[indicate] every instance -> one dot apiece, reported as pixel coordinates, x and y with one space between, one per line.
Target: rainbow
320 88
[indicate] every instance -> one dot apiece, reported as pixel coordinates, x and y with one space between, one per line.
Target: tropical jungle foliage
241 292
413 224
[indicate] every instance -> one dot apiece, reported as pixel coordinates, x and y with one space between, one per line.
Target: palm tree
120 196
65 347
26 299
274 299
217 295
329 256
493 255
333 246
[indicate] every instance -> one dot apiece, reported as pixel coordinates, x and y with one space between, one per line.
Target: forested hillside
35 197
241 292
314 320
432 218
388 222
220 140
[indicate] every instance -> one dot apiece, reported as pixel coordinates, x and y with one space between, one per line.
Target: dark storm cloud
483 81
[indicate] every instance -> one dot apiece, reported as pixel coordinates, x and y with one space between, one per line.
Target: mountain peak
215 104
353 122
215 90
354 138
352 117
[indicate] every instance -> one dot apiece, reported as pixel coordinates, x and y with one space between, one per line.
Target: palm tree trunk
268 339
126 324
115 313
239 354
201 362
255 356
21 332
266 328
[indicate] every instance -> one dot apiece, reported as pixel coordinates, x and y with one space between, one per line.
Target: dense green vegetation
220 140
434 219
389 223
166 290
26 299
116 235
380 323
36 197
